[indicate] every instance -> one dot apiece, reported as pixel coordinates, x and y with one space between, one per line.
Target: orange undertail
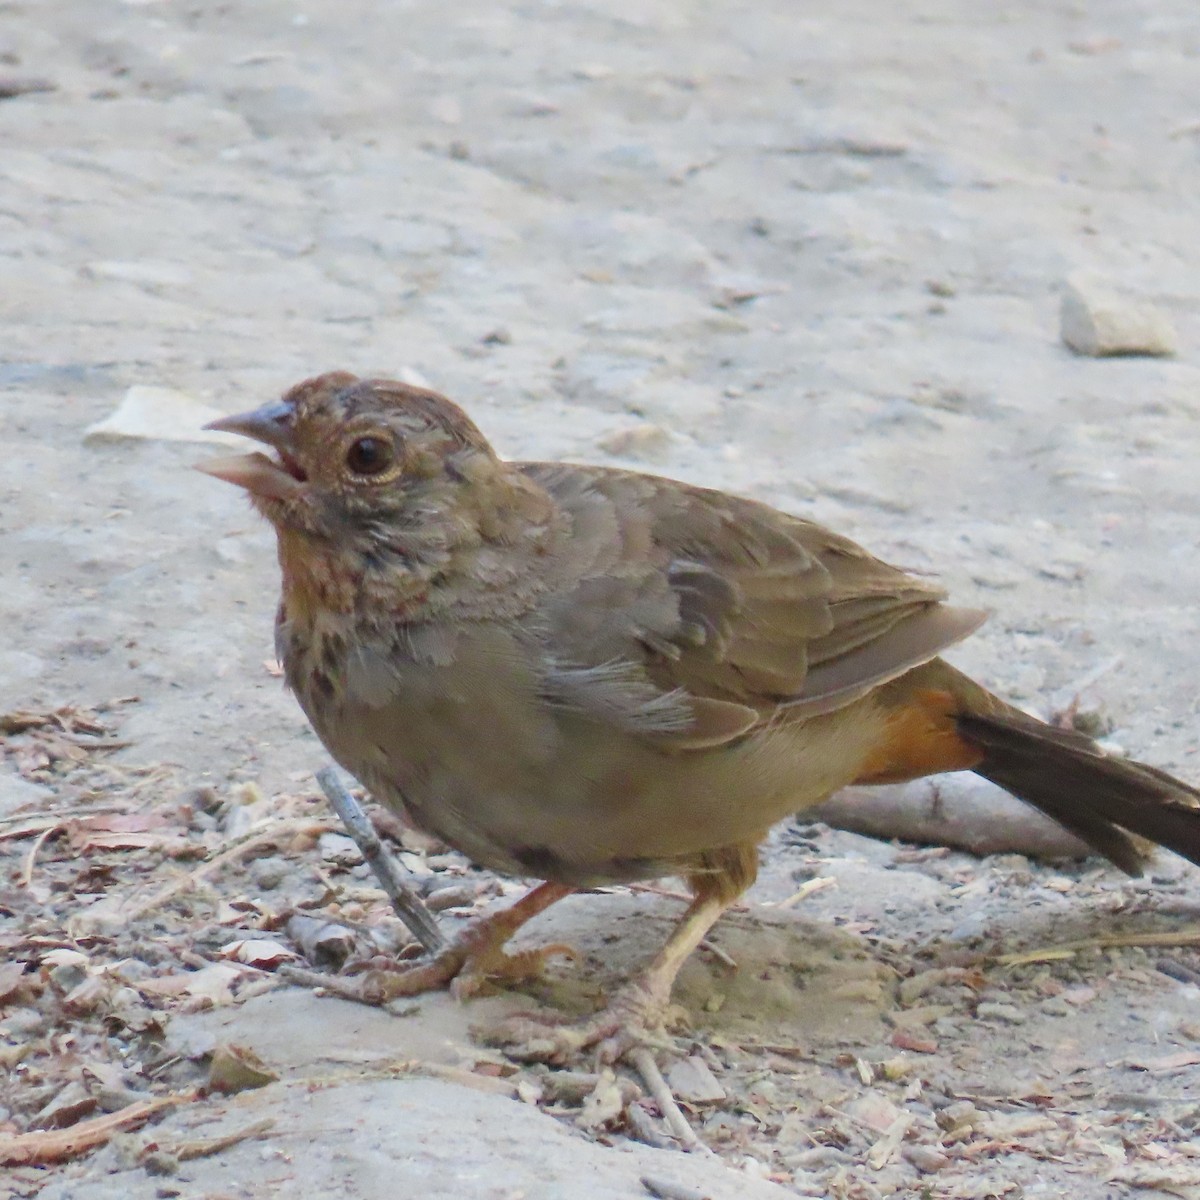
940 720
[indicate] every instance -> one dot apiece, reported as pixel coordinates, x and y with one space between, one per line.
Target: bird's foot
640 1015
473 961
468 965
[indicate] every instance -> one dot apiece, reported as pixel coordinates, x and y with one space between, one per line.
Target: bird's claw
636 1017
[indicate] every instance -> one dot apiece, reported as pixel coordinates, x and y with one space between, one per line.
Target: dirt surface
812 253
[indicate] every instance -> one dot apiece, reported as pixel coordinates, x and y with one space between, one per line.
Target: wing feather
705 597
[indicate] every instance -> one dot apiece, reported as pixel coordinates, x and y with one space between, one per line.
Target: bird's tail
1109 802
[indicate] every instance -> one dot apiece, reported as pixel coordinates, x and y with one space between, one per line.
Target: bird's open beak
260 475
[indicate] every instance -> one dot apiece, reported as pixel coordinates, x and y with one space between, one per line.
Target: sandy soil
813 253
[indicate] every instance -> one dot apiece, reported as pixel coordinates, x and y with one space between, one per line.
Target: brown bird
586 675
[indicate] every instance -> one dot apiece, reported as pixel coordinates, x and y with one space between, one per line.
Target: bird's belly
521 787
581 805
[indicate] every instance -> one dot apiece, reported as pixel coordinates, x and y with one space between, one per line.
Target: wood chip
42 1147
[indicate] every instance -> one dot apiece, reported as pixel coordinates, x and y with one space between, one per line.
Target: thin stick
1111 941
31 857
643 1062
55 1145
83 810
408 905
186 1151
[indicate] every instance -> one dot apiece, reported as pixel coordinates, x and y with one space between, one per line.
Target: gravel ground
812 253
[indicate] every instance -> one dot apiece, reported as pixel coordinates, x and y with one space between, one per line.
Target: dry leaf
258 952
238 1069
63 956
212 984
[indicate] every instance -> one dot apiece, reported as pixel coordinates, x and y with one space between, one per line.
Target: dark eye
369 456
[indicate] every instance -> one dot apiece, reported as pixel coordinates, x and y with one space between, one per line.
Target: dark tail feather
1099 798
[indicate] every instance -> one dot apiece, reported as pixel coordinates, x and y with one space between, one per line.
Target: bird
585 675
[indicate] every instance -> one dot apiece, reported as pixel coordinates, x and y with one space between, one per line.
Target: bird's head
355 457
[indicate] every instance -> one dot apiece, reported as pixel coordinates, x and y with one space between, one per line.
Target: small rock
459 895
898 1067
268 873
323 943
338 849
648 443
961 1114
919 1015
1098 321
692 1081
926 1158
992 1010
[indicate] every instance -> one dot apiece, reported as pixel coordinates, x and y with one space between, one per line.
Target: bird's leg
641 1012
474 957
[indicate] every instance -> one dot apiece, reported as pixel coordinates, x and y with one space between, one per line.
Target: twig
882 1151
83 810
720 955
655 889
185 1151
54 1145
335 985
1168 937
808 888
643 1062
408 905
31 857
492 1084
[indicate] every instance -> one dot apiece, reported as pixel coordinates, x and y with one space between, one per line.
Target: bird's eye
369 456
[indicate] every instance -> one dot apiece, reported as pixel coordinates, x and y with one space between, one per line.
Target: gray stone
1100 321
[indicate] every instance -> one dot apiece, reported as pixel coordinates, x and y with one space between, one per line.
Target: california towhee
588 675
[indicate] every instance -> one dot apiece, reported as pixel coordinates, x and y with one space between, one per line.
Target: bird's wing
679 600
